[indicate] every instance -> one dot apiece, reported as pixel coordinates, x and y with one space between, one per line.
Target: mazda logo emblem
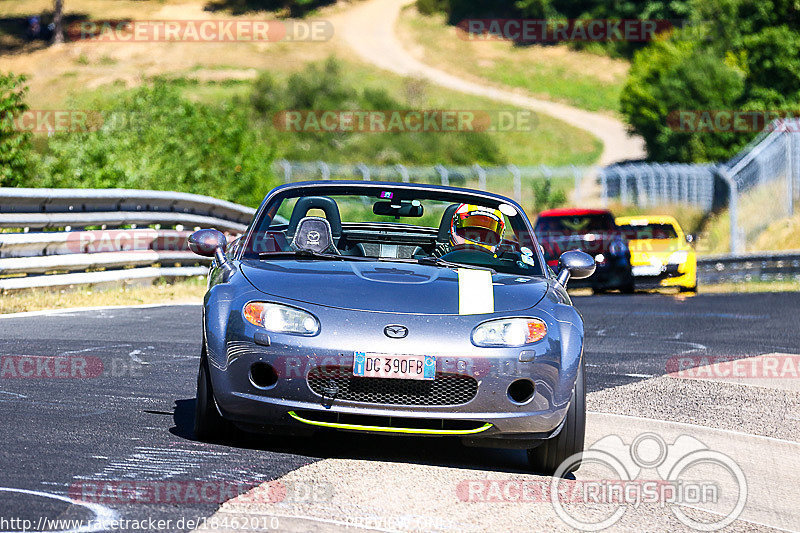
395 331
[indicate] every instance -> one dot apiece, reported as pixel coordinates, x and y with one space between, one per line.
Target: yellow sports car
661 255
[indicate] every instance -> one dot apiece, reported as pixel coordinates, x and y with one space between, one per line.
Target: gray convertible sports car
393 308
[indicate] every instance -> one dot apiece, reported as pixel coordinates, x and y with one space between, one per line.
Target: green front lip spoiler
385 429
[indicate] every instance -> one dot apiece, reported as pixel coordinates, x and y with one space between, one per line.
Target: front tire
548 456
209 425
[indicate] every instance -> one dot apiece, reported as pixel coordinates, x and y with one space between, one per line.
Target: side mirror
206 242
210 243
690 238
574 264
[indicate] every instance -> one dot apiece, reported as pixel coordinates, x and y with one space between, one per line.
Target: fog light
263 375
521 391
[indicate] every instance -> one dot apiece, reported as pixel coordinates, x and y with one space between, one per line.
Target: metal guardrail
764 266
80 208
76 255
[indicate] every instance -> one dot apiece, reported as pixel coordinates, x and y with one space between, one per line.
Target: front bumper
551 365
671 275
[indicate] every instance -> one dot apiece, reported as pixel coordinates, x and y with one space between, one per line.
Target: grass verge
190 290
750 287
583 79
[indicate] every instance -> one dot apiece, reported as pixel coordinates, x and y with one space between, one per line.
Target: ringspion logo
621 476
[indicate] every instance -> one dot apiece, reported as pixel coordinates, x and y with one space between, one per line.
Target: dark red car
592 231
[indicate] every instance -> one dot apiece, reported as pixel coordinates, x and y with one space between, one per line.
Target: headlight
509 332
281 318
679 257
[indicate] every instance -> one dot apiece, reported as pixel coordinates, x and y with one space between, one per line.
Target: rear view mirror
403 209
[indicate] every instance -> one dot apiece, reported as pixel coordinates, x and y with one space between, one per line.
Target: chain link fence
760 186
648 185
509 180
763 183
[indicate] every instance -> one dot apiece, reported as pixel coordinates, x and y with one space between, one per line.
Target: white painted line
103 516
68 310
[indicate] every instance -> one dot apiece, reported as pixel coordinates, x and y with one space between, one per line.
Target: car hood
389 287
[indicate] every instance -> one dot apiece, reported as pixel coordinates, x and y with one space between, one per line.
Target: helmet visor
480 226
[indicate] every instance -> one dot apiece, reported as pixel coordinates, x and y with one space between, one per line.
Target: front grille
446 389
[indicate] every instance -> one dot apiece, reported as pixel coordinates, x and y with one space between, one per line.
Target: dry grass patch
186 291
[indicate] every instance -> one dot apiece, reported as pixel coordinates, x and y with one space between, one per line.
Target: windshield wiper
438 261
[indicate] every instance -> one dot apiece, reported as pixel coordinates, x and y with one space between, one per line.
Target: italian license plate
381 365
647 270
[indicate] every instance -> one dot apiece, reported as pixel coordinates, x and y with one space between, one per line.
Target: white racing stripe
475 292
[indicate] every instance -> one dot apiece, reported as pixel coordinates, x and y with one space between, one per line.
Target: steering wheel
468 248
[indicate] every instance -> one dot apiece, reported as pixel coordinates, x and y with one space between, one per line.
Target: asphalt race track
132 422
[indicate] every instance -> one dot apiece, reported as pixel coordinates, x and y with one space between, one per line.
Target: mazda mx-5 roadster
392 308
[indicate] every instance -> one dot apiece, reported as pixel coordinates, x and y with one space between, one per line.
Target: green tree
325 86
15 145
672 76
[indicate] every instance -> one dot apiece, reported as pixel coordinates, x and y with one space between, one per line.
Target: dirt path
369 29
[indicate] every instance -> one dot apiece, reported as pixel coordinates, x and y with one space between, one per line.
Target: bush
546 196
15 145
326 87
155 139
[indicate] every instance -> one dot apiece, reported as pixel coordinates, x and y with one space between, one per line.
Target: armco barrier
141 236
763 266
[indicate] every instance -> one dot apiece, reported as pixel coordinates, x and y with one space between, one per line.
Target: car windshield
394 225
649 231
575 224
